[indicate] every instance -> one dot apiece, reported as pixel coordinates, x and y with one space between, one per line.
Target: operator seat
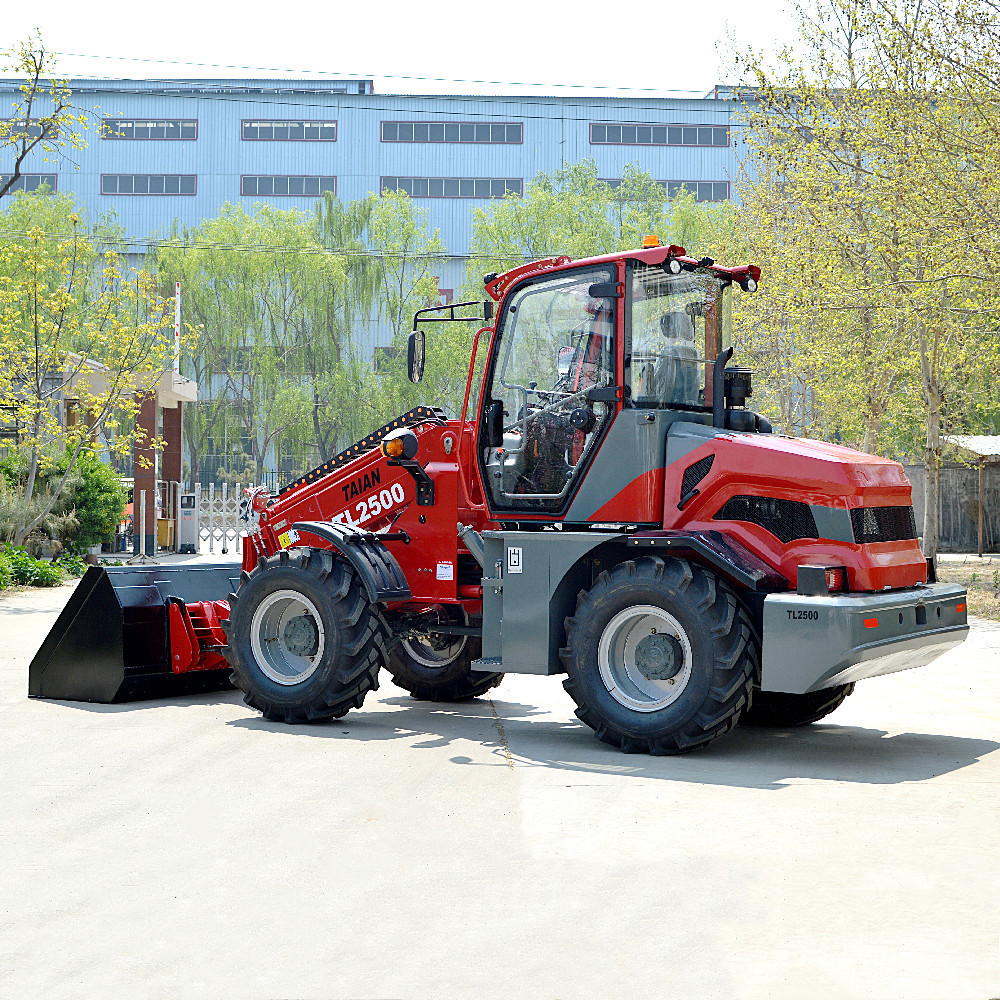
676 378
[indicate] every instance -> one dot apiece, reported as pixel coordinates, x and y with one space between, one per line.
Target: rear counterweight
811 643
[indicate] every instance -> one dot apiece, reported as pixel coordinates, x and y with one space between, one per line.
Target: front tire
660 656
305 644
439 668
779 710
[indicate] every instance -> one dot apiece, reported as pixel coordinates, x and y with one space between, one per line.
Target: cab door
551 389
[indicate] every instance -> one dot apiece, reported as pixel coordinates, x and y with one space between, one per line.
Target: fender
377 567
728 556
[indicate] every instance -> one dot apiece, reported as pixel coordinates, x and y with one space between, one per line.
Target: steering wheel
549 407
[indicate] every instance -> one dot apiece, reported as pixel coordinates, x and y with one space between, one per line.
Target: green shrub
32 572
6 573
98 497
47 574
71 564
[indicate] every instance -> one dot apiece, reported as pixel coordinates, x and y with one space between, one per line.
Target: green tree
261 291
573 212
27 131
79 332
846 206
332 363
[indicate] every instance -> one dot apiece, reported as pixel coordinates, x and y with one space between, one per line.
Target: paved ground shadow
747 757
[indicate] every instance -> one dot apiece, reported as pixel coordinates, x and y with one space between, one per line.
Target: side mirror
415 355
494 423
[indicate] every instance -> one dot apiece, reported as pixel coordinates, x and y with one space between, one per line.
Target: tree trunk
932 480
933 398
873 427
322 440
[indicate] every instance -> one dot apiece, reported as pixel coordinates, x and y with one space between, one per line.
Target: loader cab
574 348
550 387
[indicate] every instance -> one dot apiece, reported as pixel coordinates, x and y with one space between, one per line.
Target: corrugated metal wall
556 131
959 506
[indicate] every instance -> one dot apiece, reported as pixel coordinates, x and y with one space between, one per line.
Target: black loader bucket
112 642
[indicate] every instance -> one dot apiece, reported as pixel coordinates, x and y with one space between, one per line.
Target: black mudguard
375 565
726 555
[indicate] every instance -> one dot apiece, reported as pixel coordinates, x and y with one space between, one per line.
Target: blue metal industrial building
166 150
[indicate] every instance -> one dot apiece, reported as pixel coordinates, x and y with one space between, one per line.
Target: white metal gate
220 517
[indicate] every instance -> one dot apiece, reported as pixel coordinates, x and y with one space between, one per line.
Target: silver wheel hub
435 654
437 650
287 637
644 656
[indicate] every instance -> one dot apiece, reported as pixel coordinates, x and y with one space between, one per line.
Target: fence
958 524
220 469
220 521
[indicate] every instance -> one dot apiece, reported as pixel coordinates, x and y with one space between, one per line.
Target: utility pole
177 329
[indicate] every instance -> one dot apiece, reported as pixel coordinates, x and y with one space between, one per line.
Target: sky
451 46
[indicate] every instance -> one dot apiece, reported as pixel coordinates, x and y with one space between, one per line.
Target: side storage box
530 585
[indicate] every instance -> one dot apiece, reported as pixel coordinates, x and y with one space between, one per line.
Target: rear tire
305 643
777 709
660 655
439 668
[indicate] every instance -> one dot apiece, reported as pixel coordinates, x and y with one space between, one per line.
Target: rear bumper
812 643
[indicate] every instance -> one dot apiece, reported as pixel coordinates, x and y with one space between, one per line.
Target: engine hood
816 471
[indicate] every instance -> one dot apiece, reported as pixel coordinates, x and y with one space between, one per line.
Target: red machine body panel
811 472
373 493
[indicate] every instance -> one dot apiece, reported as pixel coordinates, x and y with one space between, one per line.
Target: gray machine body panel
812 643
530 584
636 442
833 523
687 433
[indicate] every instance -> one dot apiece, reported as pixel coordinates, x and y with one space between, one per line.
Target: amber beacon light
399 444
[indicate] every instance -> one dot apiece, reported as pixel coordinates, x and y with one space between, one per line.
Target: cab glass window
680 323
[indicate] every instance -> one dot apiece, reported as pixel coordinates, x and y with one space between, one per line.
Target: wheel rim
437 655
287 637
644 656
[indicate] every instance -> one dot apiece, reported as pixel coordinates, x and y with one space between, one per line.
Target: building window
121 128
492 132
283 186
658 135
29 182
17 129
289 131
149 184
702 190
454 187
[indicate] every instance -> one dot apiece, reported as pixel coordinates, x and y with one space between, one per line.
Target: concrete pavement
495 849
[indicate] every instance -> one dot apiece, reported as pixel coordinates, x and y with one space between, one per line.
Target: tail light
815 581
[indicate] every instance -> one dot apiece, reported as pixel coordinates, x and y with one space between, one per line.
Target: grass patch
980 577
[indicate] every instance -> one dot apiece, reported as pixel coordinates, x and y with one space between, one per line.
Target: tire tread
364 644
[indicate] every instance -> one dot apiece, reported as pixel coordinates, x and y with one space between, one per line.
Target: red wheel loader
606 507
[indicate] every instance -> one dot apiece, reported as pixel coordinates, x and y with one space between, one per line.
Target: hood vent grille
787 520
883 524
